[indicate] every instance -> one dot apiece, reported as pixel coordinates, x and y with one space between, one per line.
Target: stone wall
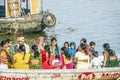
88 74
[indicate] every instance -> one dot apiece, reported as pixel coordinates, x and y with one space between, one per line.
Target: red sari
45 64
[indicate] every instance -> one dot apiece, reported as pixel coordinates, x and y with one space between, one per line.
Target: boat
24 16
70 74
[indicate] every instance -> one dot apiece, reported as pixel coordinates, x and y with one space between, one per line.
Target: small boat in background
24 16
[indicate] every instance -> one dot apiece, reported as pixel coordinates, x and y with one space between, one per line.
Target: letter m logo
86 76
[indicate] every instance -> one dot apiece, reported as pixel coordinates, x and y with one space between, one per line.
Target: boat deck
31 18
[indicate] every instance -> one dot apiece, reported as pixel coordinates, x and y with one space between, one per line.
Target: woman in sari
47 58
54 48
21 59
110 58
35 58
68 61
82 58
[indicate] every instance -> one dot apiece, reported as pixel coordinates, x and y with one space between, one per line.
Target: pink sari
65 65
62 60
69 65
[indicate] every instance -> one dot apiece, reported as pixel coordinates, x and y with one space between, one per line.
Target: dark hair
35 49
3 42
56 44
111 52
47 48
106 46
57 56
63 48
22 48
84 40
53 39
83 47
95 54
66 43
92 43
66 53
71 44
8 40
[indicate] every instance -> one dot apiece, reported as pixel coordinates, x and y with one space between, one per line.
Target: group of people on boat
42 55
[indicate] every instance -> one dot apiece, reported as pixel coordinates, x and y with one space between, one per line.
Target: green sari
38 66
111 63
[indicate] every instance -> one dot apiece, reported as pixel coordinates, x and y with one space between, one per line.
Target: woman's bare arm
105 59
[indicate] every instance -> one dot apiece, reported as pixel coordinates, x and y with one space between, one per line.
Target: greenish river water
29 38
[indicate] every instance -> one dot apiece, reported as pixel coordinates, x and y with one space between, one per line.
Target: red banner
12 78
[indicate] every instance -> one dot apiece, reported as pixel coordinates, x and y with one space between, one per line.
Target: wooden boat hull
27 24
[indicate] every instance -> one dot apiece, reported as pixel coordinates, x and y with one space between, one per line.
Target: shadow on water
30 38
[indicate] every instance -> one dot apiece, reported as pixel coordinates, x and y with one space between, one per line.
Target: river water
95 20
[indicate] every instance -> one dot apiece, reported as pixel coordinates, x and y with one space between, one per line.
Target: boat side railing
70 74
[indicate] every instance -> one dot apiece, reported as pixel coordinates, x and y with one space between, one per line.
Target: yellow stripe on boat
35 6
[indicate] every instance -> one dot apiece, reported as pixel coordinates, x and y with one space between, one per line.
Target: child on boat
92 47
95 62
